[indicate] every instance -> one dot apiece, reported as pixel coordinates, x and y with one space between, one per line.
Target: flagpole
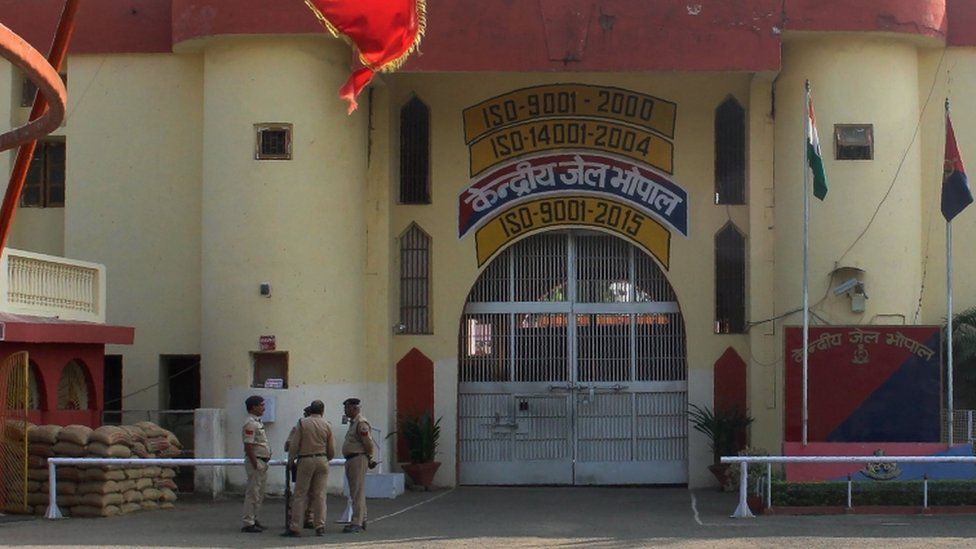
949 313
949 327
806 250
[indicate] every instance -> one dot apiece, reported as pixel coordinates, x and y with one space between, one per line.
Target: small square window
854 141
270 369
273 142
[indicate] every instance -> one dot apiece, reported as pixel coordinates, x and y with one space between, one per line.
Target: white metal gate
572 367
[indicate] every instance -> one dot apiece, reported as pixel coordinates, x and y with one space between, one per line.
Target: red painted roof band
503 35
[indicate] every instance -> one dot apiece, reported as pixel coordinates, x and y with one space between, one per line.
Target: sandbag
125 485
69 449
41 449
67 500
15 430
75 434
171 452
105 487
42 510
36 461
109 435
135 433
37 498
66 488
149 505
133 496
167 505
152 471
167 495
144 483
37 474
161 483
157 444
89 511
100 449
102 475
173 440
139 449
68 473
135 472
33 485
101 500
151 494
168 473
129 508
44 434
150 429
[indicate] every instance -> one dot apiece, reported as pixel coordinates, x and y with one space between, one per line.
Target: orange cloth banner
384 31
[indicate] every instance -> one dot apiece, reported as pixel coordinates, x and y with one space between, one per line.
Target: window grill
854 141
415 281
730 153
730 281
44 185
415 153
273 142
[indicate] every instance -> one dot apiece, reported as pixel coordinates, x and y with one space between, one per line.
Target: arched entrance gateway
572 367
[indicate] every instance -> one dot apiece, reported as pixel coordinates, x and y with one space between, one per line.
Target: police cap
351 402
253 401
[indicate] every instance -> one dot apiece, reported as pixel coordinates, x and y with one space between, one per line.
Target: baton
287 469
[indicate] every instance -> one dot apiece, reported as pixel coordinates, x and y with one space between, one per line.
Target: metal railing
963 426
54 512
742 510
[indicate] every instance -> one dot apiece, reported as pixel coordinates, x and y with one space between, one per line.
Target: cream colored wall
36 229
299 225
133 200
453 260
884 93
949 74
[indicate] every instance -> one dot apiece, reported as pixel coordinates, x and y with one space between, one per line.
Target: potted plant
421 433
724 428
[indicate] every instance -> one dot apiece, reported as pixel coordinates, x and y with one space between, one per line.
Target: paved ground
508 517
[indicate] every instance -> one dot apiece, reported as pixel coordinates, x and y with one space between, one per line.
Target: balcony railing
46 285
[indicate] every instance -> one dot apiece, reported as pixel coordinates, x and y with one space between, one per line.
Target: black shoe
252 529
320 532
352 529
364 526
308 525
290 534
259 526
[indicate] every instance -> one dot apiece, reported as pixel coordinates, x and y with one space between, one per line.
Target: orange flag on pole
384 31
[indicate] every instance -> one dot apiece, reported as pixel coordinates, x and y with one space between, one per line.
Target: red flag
384 31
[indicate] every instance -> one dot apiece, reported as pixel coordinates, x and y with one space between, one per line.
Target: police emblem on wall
572 155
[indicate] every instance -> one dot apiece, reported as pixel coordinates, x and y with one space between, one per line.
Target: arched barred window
730 280
730 153
415 153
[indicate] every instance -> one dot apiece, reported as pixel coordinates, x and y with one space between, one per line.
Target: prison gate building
558 225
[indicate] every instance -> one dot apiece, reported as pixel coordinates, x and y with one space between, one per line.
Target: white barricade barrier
742 510
53 512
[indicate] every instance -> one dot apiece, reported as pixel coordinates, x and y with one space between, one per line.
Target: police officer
257 454
357 448
308 508
311 443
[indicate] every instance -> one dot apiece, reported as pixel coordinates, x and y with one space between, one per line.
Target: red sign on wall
866 383
266 343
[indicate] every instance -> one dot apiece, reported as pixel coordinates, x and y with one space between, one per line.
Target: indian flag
814 156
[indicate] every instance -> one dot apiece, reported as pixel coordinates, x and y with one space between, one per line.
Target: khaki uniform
312 445
253 433
357 448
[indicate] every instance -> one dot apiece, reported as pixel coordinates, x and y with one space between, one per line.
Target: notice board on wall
865 383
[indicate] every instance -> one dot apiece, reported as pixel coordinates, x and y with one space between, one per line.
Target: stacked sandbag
102 490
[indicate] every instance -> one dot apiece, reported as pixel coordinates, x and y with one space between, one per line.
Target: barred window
44 185
272 141
730 153
414 281
74 387
415 153
730 280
